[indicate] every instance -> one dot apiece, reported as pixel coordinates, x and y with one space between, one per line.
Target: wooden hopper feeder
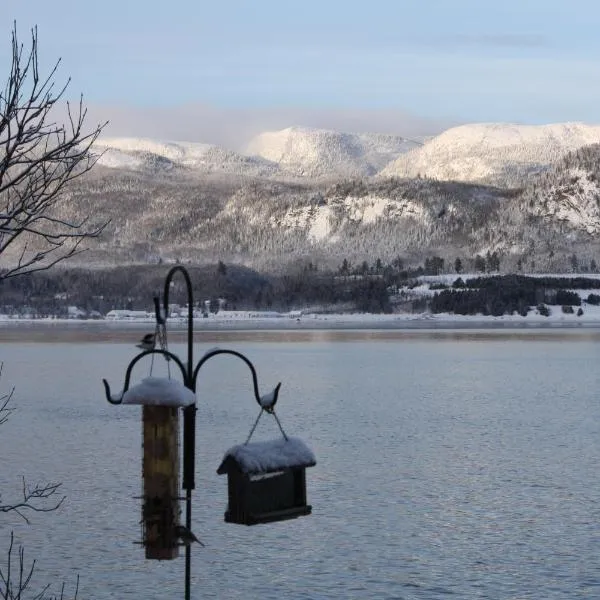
161 399
266 481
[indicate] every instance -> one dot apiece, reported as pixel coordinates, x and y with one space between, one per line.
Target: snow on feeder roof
158 391
269 456
266 481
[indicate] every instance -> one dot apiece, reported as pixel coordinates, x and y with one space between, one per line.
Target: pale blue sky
380 62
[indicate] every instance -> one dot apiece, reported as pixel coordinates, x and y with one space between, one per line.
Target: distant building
74 312
248 314
128 315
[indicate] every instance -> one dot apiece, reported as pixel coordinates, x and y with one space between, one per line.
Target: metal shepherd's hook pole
189 413
190 376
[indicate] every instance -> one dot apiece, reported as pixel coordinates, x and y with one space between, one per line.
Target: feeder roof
159 391
268 456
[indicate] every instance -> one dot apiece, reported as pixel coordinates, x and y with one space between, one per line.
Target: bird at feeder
186 536
148 342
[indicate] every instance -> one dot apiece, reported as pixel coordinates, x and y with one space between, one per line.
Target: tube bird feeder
160 399
160 472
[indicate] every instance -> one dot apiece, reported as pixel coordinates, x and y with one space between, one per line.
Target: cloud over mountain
233 128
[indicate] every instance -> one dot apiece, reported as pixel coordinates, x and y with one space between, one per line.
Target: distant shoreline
102 331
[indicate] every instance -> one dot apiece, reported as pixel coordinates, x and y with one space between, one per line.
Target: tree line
509 294
232 287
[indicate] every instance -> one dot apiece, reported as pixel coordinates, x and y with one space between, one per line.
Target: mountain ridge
317 153
267 224
497 153
490 153
198 203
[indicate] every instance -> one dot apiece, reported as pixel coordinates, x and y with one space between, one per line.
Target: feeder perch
266 481
161 399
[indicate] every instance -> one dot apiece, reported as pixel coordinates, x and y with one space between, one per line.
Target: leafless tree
16 575
39 157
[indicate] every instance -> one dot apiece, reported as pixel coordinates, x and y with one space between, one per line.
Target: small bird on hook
186 536
147 342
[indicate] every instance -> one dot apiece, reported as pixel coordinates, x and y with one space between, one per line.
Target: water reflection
124 333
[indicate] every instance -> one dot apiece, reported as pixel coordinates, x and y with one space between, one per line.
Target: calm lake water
450 464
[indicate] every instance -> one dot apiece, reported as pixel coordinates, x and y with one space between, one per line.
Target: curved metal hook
273 395
162 319
133 363
168 279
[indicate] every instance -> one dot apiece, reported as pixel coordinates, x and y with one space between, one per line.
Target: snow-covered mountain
293 152
320 153
152 156
308 195
497 153
264 223
569 192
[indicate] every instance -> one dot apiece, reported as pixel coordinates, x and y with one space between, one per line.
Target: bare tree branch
5 408
41 497
39 157
34 499
14 586
37 498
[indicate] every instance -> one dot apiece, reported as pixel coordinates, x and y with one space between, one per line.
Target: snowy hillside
195 158
569 192
307 194
492 152
292 152
550 225
324 153
500 154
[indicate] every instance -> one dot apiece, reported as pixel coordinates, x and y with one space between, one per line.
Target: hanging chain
271 411
160 340
280 426
254 426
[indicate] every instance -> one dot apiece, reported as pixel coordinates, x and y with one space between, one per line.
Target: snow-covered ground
590 318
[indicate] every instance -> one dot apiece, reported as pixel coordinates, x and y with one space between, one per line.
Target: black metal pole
188 550
189 417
